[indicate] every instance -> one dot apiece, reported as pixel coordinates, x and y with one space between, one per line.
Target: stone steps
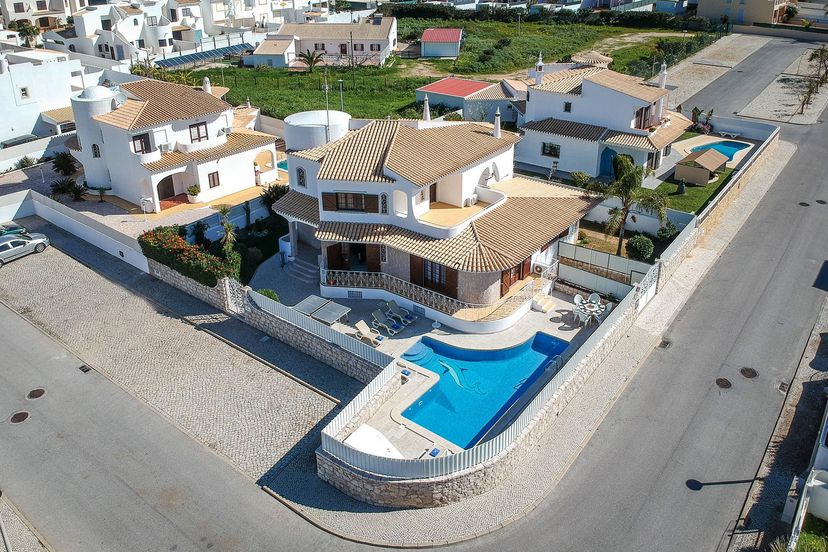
542 303
303 271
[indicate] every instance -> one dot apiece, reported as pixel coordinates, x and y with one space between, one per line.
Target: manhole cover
665 344
36 393
748 372
723 383
84 368
804 204
821 201
18 417
783 387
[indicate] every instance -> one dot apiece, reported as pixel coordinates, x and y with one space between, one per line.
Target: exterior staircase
542 302
303 270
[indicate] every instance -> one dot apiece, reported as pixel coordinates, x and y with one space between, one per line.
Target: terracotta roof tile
273 46
494 92
237 141
299 206
568 81
709 159
571 129
366 30
591 57
631 86
154 102
452 86
60 115
533 215
442 35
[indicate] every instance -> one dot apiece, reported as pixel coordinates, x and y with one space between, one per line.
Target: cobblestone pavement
696 72
538 474
236 405
20 535
789 453
781 100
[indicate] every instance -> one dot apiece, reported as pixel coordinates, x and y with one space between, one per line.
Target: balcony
521 293
149 156
446 215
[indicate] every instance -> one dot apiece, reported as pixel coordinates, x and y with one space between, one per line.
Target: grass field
492 47
696 197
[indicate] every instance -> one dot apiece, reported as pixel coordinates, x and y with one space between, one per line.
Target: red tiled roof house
441 43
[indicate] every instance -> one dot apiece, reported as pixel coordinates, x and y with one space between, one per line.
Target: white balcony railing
435 300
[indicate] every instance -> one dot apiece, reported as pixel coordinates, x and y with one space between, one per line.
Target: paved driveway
238 406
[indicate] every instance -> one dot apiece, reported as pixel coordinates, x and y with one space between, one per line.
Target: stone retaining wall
310 344
439 491
714 216
226 297
371 407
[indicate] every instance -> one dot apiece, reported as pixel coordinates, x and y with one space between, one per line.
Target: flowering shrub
166 246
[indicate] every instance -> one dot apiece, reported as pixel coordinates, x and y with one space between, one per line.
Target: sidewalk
298 487
21 536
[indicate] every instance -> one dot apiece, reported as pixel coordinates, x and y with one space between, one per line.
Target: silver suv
19 245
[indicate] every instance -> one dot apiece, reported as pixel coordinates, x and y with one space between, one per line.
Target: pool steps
542 302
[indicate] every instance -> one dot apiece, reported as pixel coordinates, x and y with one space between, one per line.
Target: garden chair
382 321
594 298
398 313
368 335
582 318
579 299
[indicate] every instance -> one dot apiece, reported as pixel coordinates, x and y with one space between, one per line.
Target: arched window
134 22
384 204
72 48
301 179
96 150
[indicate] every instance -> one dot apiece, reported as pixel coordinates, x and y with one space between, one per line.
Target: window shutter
451 282
328 201
335 256
416 270
371 203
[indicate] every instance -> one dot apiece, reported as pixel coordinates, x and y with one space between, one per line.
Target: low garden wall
395 491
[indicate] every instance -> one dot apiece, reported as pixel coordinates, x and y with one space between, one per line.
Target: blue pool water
282 165
476 386
726 147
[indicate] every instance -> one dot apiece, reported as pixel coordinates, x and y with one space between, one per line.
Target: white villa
122 31
40 13
429 214
580 117
35 86
149 141
368 42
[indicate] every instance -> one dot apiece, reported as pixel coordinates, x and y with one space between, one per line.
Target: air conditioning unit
472 200
165 148
538 268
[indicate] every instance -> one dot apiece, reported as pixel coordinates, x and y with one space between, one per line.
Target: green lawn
643 59
491 47
696 198
687 135
814 535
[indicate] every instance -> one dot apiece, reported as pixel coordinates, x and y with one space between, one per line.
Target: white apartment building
33 85
242 13
40 13
579 118
428 213
368 42
149 141
117 31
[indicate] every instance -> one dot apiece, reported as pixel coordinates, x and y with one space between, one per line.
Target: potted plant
192 193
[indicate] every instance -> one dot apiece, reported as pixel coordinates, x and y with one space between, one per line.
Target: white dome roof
96 93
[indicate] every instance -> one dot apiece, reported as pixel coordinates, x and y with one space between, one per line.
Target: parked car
20 245
12 228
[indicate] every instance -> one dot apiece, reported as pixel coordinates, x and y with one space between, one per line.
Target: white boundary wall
34 149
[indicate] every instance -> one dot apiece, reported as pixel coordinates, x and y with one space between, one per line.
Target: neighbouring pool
282 165
725 147
476 387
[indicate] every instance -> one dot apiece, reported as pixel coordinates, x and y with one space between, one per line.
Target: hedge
166 246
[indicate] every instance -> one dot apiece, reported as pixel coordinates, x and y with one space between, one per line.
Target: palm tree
27 32
229 237
628 189
311 59
64 163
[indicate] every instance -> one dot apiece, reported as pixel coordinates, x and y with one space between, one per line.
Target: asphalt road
95 469
628 489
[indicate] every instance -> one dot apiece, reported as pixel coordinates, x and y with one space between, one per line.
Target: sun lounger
398 313
726 134
367 334
382 321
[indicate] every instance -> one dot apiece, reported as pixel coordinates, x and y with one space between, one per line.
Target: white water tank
310 129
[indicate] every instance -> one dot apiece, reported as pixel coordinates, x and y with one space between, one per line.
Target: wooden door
334 254
343 49
372 258
416 270
166 188
504 282
451 283
432 193
525 268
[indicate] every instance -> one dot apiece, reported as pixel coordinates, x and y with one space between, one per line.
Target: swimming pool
282 165
476 386
726 147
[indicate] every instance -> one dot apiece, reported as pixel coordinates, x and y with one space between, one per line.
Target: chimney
662 76
205 85
539 70
496 129
426 110
248 101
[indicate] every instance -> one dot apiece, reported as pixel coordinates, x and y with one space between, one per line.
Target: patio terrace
446 215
